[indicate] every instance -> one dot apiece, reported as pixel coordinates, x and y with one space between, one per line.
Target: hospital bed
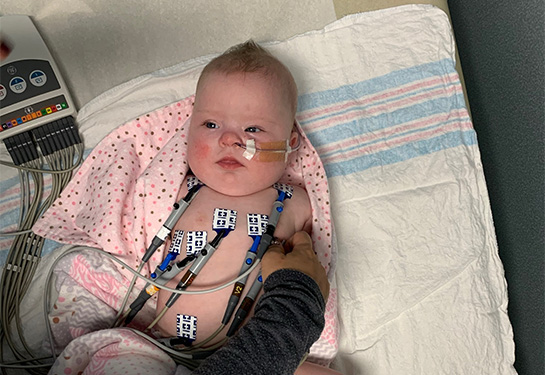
418 286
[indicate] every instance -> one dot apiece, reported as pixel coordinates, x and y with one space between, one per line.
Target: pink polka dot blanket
118 200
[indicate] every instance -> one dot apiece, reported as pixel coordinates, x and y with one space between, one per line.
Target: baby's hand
296 254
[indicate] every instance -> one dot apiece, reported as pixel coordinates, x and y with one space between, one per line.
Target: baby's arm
300 210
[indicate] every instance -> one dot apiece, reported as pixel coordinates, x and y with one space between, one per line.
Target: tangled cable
54 148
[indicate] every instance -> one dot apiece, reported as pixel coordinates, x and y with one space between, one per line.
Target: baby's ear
294 136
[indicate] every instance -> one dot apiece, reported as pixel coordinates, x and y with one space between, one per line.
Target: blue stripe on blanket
337 151
382 103
402 153
375 122
388 81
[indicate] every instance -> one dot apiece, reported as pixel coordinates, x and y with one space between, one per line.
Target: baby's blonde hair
250 57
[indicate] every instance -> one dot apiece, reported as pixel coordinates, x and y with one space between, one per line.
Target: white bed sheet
421 288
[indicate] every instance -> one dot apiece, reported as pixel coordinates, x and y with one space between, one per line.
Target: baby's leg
308 368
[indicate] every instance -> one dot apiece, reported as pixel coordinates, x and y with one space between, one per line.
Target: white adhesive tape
288 151
250 151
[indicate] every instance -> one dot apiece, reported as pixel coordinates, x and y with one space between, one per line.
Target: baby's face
229 110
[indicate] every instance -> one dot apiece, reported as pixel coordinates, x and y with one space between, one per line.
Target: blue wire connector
284 192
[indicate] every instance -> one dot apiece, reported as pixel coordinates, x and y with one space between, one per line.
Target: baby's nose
229 138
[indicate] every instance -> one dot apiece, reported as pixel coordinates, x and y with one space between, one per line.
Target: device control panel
32 91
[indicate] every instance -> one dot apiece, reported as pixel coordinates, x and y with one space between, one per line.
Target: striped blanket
420 287
389 119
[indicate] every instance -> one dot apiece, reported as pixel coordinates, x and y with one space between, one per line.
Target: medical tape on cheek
267 151
288 151
250 150
273 151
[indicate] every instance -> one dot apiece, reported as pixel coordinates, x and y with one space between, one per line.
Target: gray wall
501 45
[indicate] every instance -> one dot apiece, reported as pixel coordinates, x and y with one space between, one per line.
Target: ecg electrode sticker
288 189
192 181
176 244
224 219
257 224
196 240
186 326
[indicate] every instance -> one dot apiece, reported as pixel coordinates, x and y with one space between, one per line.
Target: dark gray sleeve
288 319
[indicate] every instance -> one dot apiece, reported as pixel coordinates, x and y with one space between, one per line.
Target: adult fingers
273 260
297 254
301 242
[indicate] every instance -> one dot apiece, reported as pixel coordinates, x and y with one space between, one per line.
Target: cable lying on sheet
55 148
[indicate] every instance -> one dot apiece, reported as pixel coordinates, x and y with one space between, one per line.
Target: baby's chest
232 224
231 218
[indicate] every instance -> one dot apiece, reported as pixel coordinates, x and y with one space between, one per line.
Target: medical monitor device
32 90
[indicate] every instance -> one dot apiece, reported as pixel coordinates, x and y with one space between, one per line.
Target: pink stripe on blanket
355 112
308 116
459 115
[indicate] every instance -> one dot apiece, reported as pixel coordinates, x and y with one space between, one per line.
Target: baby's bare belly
209 308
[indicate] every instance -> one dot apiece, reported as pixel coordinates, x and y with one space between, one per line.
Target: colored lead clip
193 185
284 192
246 305
163 266
256 226
173 252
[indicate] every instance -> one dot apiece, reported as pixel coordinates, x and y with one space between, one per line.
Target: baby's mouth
229 163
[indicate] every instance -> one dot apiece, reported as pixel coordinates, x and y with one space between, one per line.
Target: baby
240 136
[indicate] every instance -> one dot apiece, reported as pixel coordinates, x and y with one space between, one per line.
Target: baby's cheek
200 151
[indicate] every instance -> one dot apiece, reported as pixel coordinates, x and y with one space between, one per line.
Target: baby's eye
211 125
253 129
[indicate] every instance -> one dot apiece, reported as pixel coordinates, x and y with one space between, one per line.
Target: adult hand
296 254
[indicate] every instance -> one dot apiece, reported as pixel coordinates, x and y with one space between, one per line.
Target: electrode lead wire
26 249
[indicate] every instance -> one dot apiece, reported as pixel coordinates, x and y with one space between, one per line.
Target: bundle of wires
188 356
54 148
